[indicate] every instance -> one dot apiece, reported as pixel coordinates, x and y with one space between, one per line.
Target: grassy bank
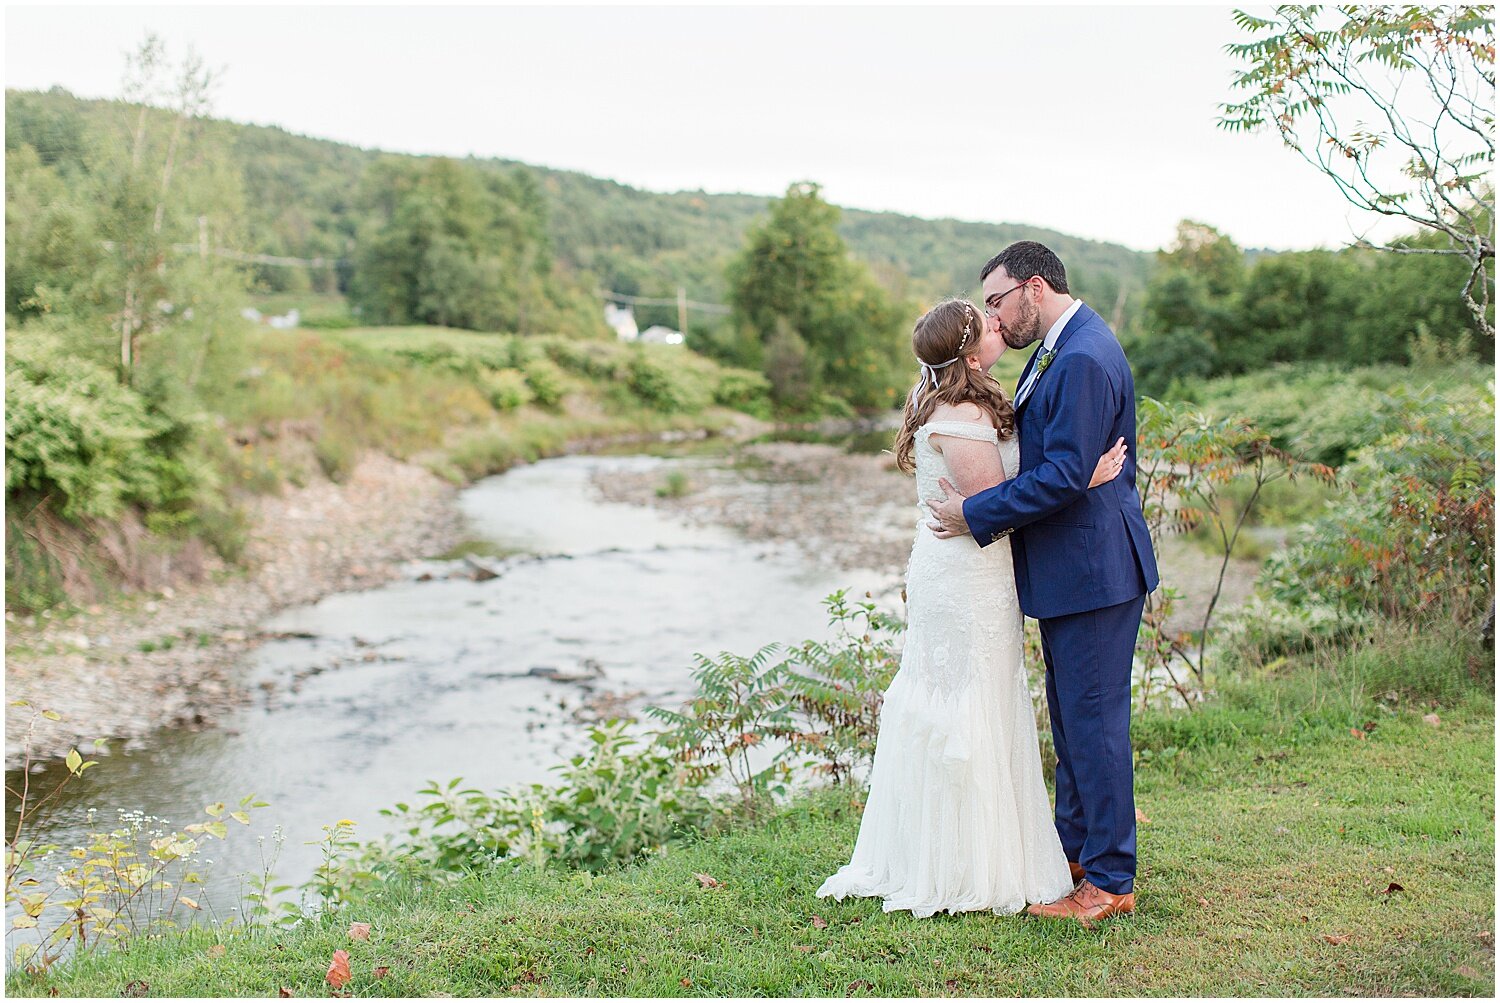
1312 831
102 477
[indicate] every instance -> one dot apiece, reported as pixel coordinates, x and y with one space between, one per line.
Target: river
366 696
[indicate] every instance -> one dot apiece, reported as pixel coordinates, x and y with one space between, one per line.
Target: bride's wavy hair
942 348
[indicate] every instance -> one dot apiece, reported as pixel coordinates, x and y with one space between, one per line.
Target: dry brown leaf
687 983
136 988
1393 887
382 971
1485 937
359 931
1336 938
1203 902
1467 972
804 948
190 903
216 951
952 985
859 984
285 993
819 923
1141 818
1358 734
1432 719
338 970
708 881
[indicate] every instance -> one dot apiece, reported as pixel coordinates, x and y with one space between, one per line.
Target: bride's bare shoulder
966 411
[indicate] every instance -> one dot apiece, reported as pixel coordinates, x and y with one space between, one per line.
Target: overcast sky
1095 121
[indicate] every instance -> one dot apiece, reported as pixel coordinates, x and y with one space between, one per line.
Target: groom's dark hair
1026 258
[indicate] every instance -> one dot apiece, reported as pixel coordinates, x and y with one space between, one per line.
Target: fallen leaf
1393 887
1485 937
687 983
985 948
190 903
338 970
707 881
382 971
1203 903
819 923
359 931
1140 817
1336 938
952 985
1432 719
859 984
1358 734
588 952
1467 972
530 976
136 988
804 948
286 993
52 991
1282 830
217 951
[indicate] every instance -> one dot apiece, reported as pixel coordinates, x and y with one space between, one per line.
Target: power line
716 308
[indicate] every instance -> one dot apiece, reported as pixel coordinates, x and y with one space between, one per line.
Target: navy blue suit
1084 564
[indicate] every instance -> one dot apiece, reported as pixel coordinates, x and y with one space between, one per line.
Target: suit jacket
1073 549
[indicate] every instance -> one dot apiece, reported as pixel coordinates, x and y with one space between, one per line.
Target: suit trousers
1089 657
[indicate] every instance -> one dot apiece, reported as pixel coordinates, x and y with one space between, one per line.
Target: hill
298 203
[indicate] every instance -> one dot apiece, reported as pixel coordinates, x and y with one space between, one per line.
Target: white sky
1094 121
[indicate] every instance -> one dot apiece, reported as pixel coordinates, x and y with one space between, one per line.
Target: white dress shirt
1048 344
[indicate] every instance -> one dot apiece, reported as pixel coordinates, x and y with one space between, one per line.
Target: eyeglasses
992 306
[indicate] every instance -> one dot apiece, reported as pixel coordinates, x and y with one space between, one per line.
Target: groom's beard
1027 330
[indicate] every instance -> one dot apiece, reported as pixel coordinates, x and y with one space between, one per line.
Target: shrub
613 805
505 389
1416 537
546 382
72 431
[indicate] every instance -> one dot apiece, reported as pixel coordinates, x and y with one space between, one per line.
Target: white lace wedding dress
957 817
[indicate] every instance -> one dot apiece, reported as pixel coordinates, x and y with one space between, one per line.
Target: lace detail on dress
957 816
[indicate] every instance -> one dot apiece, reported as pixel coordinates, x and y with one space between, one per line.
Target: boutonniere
1045 361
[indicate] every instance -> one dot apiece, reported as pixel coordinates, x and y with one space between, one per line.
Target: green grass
1273 836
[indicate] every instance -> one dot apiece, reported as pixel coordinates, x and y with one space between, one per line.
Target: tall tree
810 315
1396 106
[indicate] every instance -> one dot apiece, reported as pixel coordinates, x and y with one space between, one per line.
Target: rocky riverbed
857 511
148 661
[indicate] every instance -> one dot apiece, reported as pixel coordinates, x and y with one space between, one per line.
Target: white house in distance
622 319
659 335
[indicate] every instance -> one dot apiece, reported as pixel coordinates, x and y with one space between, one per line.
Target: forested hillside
301 201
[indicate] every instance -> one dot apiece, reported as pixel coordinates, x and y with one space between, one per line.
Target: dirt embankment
167 658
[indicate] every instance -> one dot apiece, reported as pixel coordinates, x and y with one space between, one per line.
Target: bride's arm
973 464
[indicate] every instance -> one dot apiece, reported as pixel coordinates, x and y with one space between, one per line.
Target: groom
1082 557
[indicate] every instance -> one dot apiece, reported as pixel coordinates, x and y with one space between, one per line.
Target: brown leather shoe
1076 870
1088 904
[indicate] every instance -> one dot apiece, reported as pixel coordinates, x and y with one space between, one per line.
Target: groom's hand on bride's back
947 512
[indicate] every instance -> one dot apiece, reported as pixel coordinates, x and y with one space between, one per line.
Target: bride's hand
1110 465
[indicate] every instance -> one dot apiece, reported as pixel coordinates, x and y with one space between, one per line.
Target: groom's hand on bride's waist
948 513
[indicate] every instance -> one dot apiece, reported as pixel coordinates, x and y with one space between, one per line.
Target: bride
957 817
